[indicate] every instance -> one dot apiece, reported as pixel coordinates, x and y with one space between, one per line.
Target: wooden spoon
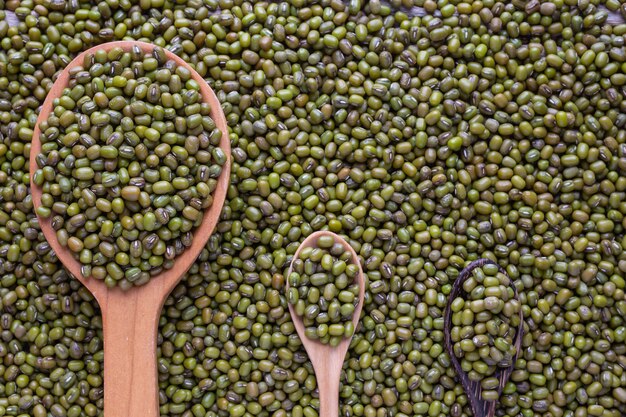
480 407
327 360
130 317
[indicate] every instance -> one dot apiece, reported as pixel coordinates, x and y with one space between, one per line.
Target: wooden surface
130 318
480 407
327 360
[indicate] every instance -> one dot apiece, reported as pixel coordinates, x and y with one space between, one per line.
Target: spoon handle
328 386
130 367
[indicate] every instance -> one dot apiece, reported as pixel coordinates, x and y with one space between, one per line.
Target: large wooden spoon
130 318
327 360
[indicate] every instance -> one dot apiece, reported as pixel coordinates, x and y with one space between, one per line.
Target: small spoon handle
327 362
130 365
328 385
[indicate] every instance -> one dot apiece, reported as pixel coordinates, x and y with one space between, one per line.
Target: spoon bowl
130 317
327 360
473 389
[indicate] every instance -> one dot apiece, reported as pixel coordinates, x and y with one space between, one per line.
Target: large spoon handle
130 366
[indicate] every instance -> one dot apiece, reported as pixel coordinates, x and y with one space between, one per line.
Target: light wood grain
130 317
328 360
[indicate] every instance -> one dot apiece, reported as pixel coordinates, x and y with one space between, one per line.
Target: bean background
429 134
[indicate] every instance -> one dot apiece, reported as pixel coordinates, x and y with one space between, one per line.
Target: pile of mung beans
324 290
130 159
427 133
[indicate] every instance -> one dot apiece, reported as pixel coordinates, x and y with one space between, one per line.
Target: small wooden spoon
480 407
327 360
130 318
